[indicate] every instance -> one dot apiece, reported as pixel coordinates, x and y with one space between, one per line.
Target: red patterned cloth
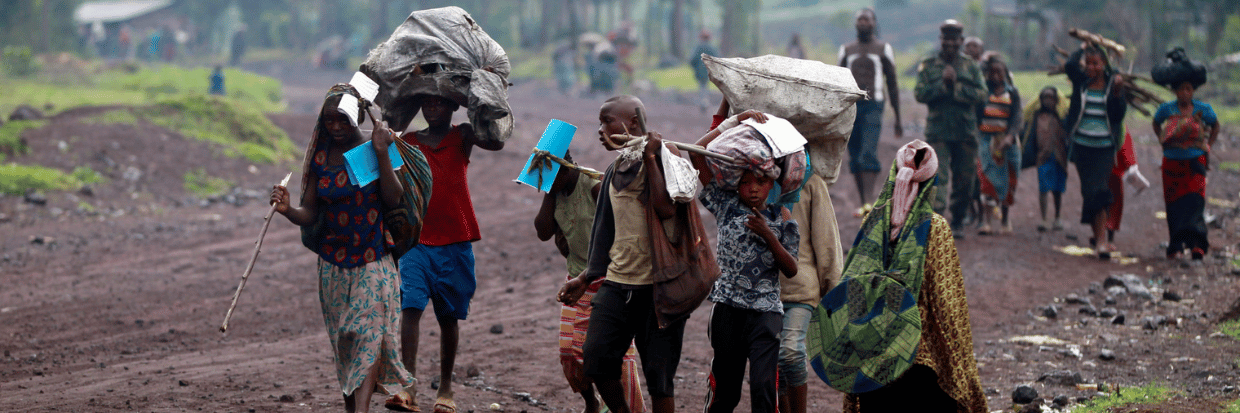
574 321
1126 158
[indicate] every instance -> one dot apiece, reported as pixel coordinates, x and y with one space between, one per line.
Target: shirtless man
872 62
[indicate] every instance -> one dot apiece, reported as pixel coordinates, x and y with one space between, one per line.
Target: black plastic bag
443 52
1178 69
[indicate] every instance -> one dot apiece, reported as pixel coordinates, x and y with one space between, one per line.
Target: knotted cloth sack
817 98
443 52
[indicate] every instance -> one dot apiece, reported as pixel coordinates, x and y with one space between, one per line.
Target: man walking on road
872 62
950 84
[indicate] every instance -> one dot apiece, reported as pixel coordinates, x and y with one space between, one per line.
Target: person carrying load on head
436 62
895 334
1187 128
757 242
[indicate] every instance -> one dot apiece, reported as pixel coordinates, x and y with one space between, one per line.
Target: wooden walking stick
250 267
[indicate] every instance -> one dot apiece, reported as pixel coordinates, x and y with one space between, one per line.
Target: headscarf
748 147
915 163
318 139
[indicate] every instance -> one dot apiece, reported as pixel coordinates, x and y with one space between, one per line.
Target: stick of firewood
1098 40
253 258
631 140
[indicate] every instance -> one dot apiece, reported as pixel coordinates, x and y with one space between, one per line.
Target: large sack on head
1177 69
443 52
819 99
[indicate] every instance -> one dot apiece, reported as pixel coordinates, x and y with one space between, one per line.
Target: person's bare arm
893 87
302 215
471 139
1158 132
390 188
698 160
544 222
784 262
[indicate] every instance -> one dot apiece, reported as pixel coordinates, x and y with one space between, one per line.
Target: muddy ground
112 298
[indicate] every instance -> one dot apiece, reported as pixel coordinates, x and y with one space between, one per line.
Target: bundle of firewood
1137 96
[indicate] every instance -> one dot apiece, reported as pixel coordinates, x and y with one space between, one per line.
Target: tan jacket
820 260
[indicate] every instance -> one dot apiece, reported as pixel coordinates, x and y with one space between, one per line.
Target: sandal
445 405
402 401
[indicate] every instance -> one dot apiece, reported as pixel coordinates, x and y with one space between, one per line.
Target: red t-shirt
450 216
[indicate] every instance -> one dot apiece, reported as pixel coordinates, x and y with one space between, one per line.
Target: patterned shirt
354 232
748 277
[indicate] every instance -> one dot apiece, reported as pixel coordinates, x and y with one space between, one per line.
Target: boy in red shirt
440 268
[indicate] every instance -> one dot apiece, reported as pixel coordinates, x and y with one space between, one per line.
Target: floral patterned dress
359 284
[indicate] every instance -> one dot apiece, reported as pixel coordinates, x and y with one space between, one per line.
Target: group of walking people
985 136
779 256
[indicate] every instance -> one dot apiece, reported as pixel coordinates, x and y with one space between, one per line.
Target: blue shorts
1052 177
443 274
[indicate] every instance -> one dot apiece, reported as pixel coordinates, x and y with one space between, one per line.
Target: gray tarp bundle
443 52
818 99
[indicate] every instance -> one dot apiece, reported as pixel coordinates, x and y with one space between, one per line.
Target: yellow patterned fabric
946 337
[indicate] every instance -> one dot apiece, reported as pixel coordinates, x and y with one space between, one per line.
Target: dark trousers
739 336
916 391
958 165
623 315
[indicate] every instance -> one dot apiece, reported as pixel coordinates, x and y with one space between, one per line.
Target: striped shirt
1094 131
996 114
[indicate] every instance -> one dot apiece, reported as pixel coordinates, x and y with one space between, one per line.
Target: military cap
951 27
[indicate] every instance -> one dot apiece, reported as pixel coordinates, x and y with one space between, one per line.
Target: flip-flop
402 401
444 405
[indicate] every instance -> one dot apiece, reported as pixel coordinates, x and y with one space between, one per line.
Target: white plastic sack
680 177
443 52
819 99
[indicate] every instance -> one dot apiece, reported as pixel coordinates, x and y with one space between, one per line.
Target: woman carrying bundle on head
1186 128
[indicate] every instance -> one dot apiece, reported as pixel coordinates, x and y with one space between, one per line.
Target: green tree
42 25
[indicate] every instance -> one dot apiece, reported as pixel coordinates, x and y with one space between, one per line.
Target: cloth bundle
752 152
819 99
1178 69
443 52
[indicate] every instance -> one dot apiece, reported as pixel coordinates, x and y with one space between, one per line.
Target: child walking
999 150
440 268
1046 139
623 309
757 242
567 213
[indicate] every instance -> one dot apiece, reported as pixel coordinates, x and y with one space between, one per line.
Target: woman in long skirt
1187 128
359 285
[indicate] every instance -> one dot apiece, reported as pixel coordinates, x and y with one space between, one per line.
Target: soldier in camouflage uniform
951 86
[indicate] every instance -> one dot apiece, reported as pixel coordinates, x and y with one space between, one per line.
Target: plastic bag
680 177
1178 69
443 52
816 97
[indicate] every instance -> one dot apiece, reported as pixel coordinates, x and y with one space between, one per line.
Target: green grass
678 78
16 179
1150 393
120 86
242 130
1231 407
11 134
85 175
202 185
1230 328
114 117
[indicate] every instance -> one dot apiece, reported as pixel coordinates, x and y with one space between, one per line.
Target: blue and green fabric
865 332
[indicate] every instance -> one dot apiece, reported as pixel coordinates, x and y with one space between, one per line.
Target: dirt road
119 311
